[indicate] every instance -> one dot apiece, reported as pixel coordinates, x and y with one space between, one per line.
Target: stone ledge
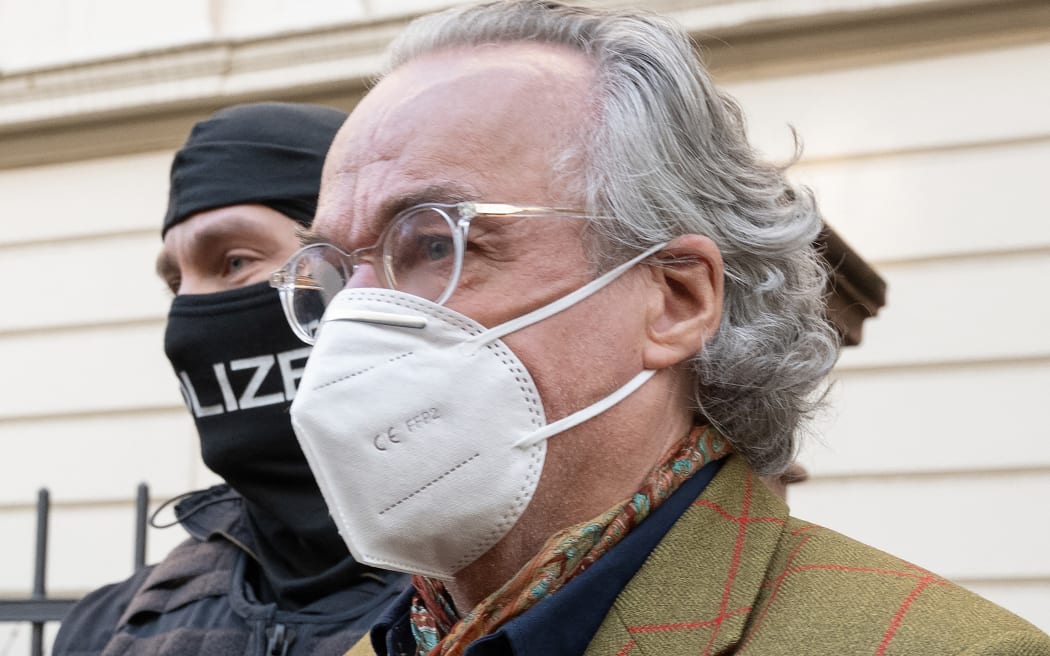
147 101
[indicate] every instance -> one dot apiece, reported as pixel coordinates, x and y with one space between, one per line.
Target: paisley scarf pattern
439 631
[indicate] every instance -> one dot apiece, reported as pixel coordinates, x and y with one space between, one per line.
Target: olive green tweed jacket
737 575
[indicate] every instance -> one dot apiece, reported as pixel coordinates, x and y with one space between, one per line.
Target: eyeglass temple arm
281 279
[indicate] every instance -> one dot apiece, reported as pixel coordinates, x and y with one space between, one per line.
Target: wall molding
148 101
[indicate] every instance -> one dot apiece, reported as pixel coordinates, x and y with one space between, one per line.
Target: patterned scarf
438 629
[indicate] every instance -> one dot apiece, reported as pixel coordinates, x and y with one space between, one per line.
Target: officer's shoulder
92 621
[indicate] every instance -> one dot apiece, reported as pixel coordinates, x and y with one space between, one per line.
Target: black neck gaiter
238 365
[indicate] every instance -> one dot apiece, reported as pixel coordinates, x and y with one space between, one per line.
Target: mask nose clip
382 318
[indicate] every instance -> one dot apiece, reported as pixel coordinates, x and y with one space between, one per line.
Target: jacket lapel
696 590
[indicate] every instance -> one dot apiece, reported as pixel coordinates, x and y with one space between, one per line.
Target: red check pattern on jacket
738 575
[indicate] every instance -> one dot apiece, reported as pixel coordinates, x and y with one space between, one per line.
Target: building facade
926 127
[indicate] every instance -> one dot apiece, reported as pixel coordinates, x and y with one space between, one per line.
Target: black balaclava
266 153
239 363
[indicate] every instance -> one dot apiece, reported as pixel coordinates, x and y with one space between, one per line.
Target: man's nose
192 283
364 275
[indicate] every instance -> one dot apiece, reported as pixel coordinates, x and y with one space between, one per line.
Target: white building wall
934 447
931 159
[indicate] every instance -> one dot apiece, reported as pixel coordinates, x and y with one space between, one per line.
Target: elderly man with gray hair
564 318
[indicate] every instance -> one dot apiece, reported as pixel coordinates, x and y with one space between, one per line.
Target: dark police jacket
198 601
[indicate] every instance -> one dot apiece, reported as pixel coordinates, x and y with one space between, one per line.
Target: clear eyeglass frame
314 274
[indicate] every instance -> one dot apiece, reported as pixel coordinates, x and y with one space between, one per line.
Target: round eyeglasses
420 253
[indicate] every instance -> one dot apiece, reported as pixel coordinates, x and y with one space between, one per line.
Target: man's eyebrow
308 237
448 193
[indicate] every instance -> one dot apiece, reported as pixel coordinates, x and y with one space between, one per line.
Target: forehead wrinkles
481 115
336 190
493 100
485 98
360 147
374 195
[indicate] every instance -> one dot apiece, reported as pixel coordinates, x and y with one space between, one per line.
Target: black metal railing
39 609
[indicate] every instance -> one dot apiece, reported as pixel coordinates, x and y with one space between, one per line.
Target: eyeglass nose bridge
363 254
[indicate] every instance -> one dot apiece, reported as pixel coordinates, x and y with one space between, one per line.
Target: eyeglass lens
319 273
419 255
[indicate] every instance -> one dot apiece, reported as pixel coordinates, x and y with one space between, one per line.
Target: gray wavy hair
668 155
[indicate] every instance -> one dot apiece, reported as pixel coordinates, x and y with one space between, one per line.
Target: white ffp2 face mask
425 432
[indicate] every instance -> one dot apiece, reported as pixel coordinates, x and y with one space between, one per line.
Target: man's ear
686 304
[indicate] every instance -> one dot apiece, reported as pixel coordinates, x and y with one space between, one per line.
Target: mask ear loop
580 416
572 298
